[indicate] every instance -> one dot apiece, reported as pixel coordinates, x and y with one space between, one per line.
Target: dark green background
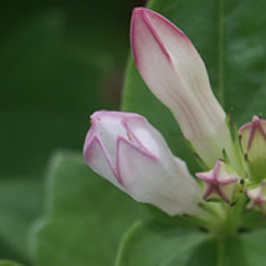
59 61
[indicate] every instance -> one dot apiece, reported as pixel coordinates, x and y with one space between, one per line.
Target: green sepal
239 167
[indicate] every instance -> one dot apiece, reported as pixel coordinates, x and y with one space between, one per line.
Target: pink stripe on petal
92 158
176 74
141 14
144 152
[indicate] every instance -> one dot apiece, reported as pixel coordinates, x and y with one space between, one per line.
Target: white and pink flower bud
257 198
176 74
221 182
253 141
126 150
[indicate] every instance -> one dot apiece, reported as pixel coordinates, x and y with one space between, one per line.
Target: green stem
232 220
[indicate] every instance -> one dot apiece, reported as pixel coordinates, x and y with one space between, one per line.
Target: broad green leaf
219 252
255 246
228 35
85 216
7 252
150 243
20 204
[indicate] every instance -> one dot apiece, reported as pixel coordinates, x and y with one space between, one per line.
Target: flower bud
253 142
174 71
257 196
126 150
221 182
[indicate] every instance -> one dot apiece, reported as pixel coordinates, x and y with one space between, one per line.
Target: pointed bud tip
256 121
139 10
144 22
141 26
146 13
255 118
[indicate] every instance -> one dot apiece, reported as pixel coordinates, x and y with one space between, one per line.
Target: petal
101 143
176 74
253 136
167 186
99 160
108 126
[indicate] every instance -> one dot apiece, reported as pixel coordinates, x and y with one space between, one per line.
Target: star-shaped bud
253 141
220 182
258 198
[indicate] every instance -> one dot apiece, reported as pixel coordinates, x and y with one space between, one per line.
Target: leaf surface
85 216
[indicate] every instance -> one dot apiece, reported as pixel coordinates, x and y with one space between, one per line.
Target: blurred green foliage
85 216
59 62
8 263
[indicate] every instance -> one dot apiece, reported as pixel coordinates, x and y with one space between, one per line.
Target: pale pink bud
253 141
125 149
221 182
176 74
257 197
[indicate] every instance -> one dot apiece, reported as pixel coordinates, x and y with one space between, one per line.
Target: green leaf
20 204
254 244
9 253
221 252
228 35
150 243
85 216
